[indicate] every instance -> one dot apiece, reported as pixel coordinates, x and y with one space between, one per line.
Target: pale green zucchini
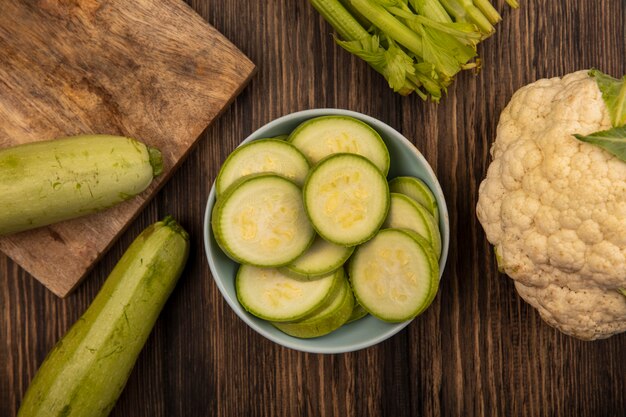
418 191
262 156
327 319
394 275
47 182
326 135
272 295
346 198
260 221
406 213
88 368
320 258
358 312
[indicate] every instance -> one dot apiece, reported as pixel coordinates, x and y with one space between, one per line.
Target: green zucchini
406 213
320 258
394 275
272 295
418 191
346 198
358 312
326 135
262 156
88 368
260 221
47 182
327 319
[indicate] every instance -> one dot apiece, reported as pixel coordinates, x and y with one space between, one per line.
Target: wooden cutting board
149 69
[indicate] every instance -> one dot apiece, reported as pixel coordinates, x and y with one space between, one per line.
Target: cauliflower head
555 207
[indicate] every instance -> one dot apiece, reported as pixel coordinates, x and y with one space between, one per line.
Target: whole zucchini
51 181
88 368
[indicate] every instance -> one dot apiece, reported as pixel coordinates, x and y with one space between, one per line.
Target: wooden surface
107 66
479 350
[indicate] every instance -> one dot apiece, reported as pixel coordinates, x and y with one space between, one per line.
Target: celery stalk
431 9
465 11
340 19
392 63
455 10
417 45
399 24
513 3
488 10
464 32
356 14
388 24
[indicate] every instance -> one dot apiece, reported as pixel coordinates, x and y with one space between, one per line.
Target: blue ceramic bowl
405 160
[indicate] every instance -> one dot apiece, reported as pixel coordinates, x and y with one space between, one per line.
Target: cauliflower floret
588 314
555 207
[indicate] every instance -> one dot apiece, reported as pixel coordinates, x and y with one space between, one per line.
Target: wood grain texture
107 66
478 351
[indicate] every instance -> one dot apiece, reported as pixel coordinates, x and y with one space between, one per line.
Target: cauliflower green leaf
612 140
613 94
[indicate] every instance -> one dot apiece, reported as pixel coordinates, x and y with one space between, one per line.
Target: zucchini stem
170 222
156 161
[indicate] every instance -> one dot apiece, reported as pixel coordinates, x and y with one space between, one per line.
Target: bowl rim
300 344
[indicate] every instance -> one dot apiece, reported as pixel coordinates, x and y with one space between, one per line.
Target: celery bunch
417 45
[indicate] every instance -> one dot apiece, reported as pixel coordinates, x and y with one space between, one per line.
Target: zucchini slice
394 276
322 136
280 137
321 258
434 260
328 319
405 213
358 312
346 198
263 155
418 191
260 220
272 295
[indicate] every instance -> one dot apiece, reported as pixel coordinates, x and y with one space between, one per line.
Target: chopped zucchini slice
329 318
260 220
320 259
405 213
271 295
358 312
263 155
418 191
322 136
394 276
346 198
